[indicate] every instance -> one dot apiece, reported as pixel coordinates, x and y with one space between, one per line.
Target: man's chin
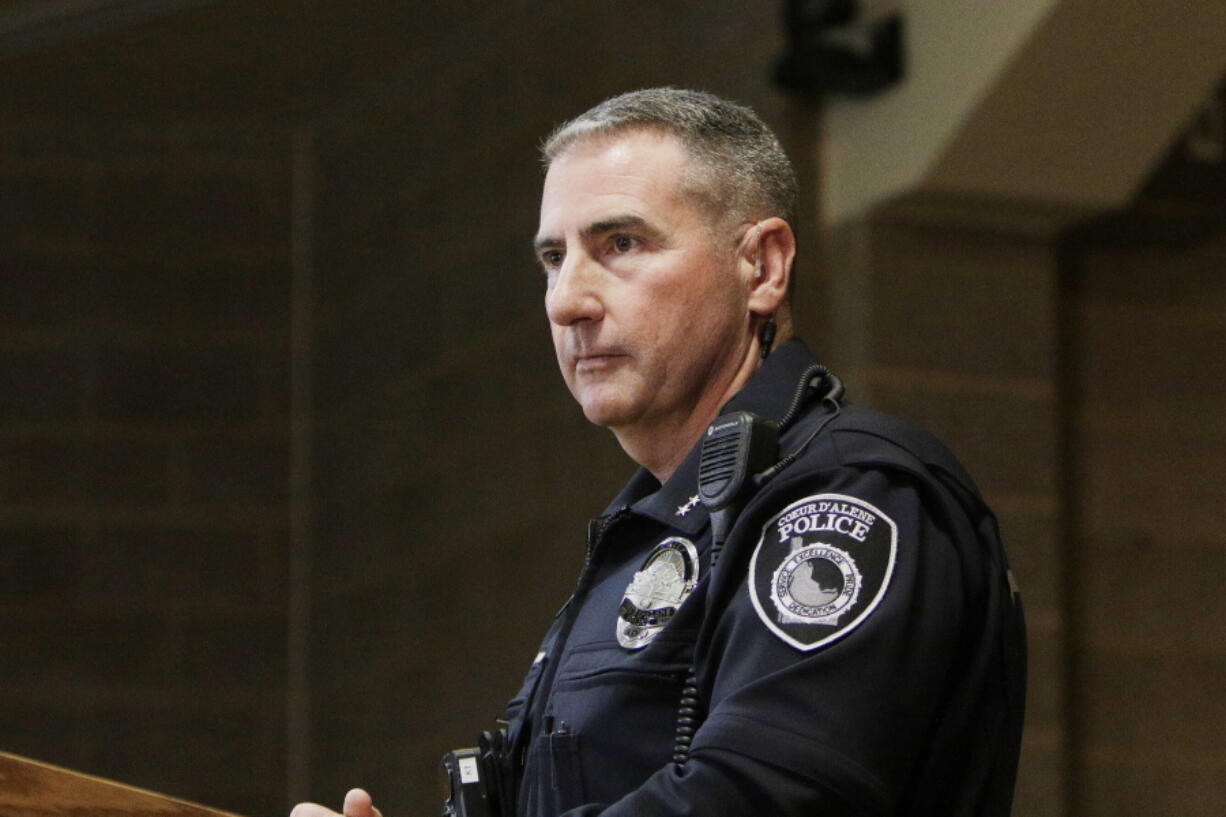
606 410
604 415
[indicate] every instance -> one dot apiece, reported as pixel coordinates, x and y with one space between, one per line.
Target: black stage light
850 47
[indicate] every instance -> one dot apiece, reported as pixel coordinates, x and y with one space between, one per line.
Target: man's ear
770 253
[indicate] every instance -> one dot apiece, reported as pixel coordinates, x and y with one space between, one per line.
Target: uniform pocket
620 710
669 652
554 780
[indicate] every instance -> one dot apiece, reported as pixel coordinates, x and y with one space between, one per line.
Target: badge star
687 506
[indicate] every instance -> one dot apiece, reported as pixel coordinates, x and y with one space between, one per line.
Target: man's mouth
597 361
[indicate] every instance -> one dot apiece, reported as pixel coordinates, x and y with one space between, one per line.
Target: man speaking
796 606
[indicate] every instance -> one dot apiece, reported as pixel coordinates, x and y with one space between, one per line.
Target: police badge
658 588
823 564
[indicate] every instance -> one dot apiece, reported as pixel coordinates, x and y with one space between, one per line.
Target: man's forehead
616 163
634 176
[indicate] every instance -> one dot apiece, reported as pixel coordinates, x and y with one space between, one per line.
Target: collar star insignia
687 506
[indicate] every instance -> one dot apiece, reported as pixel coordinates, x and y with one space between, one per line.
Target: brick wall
1147 305
143 448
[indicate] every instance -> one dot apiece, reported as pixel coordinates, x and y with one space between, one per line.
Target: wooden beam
32 789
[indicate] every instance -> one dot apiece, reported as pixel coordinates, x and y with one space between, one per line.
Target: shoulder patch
821 567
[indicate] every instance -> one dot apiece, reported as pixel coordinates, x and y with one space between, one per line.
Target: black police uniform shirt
858 648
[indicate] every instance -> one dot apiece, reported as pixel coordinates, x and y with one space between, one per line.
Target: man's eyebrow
602 227
615 224
542 241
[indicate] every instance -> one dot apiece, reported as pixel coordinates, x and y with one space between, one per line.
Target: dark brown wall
1146 302
143 449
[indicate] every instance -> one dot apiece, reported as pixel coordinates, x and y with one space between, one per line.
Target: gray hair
738 167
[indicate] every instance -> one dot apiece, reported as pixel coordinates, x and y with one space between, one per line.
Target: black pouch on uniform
477 781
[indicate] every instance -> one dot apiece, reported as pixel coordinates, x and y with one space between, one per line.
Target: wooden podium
32 789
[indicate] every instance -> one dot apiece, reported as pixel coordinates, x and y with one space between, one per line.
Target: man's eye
552 258
623 243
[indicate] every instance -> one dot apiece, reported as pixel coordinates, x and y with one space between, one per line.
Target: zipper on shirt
596 530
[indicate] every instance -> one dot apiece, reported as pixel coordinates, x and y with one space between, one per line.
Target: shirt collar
768 393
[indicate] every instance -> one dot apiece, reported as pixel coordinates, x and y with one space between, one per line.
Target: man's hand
357 804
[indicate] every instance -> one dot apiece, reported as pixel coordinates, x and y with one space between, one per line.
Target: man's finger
359 804
312 810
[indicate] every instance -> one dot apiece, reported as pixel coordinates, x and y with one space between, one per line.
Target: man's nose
575 293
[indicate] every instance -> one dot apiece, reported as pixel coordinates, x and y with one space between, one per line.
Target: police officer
855 647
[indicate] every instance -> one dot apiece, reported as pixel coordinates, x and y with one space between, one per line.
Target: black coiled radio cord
728 482
690 715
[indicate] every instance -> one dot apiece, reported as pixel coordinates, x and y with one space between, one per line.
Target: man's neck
661 448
